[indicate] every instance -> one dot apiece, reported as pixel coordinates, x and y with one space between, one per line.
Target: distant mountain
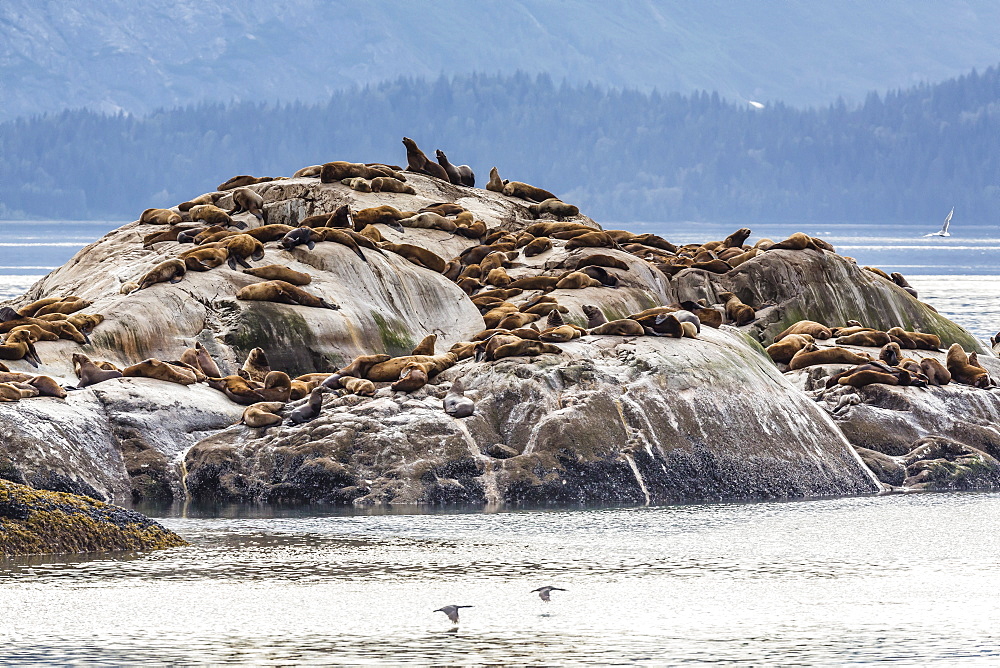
116 55
619 155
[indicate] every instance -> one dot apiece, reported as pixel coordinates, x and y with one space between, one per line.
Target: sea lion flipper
242 262
176 279
231 261
7 313
240 225
310 245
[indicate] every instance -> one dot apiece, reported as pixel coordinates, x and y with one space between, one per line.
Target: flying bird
543 592
452 611
755 104
944 228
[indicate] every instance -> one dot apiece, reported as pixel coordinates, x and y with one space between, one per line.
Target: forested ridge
621 155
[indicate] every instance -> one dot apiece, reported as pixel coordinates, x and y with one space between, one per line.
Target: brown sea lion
237 388
205 361
544 283
310 171
159 217
279 272
495 184
429 221
212 215
391 369
282 293
525 348
869 377
516 319
560 334
962 371
417 255
18 345
47 387
915 340
266 233
878 272
797 241
243 180
413 376
65 306
384 214
29 310
359 386
417 161
207 198
523 190
935 372
737 238
553 207
890 353
171 271
620 327
811 356
591 240
154 368
262 414
874 338
600 260
241 247
204 259
277 386
384 184
248 201
810 327
595 317
360 365
256 366
426 345
474 230
577 280
783 351
738 312
361 184
89 373
461 175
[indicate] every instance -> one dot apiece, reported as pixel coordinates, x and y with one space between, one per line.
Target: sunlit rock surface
610 419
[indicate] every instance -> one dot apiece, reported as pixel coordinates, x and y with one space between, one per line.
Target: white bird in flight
944 228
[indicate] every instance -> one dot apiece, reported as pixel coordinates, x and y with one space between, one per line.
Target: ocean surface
911 580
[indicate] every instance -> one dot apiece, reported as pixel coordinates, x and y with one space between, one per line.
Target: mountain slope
118 55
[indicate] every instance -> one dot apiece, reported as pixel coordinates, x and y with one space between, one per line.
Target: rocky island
363 334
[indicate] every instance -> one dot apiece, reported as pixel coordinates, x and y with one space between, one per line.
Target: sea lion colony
521 318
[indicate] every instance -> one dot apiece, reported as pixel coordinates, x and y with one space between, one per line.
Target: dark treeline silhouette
620 155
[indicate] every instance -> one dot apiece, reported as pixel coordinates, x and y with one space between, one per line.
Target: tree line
621 155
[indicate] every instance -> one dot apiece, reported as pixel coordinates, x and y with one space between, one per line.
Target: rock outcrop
42 522
606 419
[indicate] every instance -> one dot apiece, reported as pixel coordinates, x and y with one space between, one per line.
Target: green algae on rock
40 522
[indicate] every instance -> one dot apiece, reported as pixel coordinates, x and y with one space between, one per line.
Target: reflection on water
906 578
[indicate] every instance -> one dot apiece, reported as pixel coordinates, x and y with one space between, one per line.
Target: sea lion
545 283
262 414
737 238
205 361
495 184
311 171
204 259
307 236
359 386
736 310
516 319
901 281
874 339
447 209
29 310
391 369
878 272
666 324
543 308
810 327
426 345
360 184
890 354
279 272
797 241
213 215
17 346
248 201
413 376
962 371
171 270
811 356
159 217
915 340
266 233
600 260
47 387
523 190
935 372
417 255
154 368
243 180
591 240
870 377
384 214
66 306
783 351
553 207
461 175
277 386
525 348
256 366
474 230
417 161
37 332
282 293
207 198
311 409
89 373
240 247
237 389
384 184
360 365
348 238
595 317
576 280
620 327
456 404
429 221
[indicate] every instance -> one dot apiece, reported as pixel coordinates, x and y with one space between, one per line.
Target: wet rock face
43 522
608 420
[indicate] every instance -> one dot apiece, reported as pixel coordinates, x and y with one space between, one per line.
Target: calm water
911 579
